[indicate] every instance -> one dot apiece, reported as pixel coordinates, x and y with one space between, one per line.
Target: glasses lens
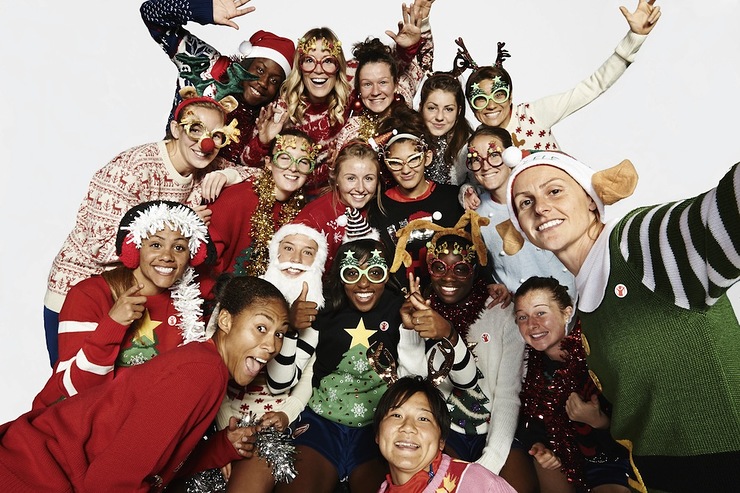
195 130
394 164
414 160
500 96
462 270
305 165
473 163
329 65
494 159
479 102
219 138
282 160
437 268
349 274
308 64
376 274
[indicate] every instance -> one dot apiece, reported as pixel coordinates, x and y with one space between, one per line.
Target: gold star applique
360 335
145 328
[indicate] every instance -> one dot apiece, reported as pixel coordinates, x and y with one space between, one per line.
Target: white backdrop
84 81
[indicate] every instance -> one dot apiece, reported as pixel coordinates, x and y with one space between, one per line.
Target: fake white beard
291 286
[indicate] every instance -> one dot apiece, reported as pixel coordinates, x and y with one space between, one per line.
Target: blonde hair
293 91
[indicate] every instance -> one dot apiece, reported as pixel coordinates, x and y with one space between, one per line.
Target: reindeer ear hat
605 187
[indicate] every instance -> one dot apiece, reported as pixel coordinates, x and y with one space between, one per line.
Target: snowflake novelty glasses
329 64
198 131
284 160
475 162
351 274
413 162
479 100
460 270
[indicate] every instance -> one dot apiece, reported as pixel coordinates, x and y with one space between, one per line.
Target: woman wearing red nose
179 168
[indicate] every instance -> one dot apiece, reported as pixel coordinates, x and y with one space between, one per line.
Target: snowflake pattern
358 410
361 366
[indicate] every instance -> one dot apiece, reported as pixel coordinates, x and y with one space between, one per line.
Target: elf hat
298 228
605 187
264 44
145 219
356 226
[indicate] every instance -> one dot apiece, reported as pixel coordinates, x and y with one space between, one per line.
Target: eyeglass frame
316 63
489 97
293 162
364 272
473 156
207 134
404 162
448 267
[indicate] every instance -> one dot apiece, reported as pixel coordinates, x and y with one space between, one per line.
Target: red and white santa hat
264 44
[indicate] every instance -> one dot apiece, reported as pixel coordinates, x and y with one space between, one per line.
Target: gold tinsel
263 226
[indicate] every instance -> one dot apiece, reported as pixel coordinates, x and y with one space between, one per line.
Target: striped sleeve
688 251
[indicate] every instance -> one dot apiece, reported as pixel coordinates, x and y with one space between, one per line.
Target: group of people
419 305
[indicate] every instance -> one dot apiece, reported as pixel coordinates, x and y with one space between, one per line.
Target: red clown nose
207 145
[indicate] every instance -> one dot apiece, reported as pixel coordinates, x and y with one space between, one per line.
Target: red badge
620 290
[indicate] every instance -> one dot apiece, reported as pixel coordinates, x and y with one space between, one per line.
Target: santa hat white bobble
514 158
302 229
264 44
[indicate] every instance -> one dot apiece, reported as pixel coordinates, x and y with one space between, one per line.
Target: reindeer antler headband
469 218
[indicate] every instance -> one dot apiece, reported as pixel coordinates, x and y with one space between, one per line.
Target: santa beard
291 286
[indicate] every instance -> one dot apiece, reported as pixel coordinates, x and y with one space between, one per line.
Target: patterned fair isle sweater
662 338
137 175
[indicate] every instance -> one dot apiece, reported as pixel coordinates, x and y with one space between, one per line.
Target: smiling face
541 321
162 260
184 151
357 181
288 180
364 295
491 178
493 114
263 90
556 214
452 279
409 438
249 339
410 175
296 253
377 86
440 111
319 82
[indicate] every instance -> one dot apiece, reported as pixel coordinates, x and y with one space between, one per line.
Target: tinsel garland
275 447
263 224
439 169
188 303
369 122
465 312
544 400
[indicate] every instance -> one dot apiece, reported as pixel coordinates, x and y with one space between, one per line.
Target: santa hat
264 44
356 226
301 229
605 187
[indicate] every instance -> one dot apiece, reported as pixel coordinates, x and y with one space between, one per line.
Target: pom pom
512 156
245 48
207 145
342 220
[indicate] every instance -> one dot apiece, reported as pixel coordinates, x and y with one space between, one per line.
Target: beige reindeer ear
615 183
188 92
229 103
513 240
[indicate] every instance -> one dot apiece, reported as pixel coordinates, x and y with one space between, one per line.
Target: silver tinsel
275 447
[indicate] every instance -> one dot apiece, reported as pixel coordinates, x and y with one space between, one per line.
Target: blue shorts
467 447
607 469
345 447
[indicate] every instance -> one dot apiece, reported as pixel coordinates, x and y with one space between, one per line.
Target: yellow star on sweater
360 335
145 328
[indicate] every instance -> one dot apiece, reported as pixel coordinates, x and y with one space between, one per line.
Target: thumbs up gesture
302 312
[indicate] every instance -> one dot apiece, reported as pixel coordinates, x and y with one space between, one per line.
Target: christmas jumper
513 270
322 214
165 20
240 249
93 347
132 434
546 388
491 408
450 475
439 205
530 123
137 175
662 338
414 62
